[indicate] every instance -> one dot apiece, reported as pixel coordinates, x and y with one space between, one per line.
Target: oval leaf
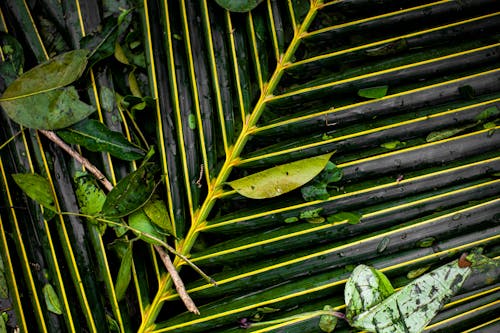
352 218
51 299
327 323
240 6
124 274
90 197
131 193
280 179
156 210
413 307
37 188
365 288
95 136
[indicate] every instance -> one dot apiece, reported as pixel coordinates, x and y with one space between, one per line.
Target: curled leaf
51 299
280 179
37 188
95 136
124 274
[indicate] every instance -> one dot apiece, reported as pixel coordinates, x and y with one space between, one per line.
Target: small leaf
393 144
426 242
414 273
90 197
413 307
291 219
492 111
311 213
148 232
327 323
280 179
51 299
102 42
352 218
3 321
373 92
365 288
444 134
489 125
4 287
112 324
383 244
240 6
124 274
12 66
37 188
192 121
156 210
131 193
95 136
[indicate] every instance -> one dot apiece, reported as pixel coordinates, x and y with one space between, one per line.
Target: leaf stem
52 136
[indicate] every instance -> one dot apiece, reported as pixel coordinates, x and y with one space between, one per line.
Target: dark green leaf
327 323
373 92
280 179
51 299
352 218
131 193
365 288
4 287
12 66
317 188
90 197
124 274
239 5
95 136
147 231
102 42
37 188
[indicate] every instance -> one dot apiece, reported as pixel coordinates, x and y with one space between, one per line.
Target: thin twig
89 166
176 279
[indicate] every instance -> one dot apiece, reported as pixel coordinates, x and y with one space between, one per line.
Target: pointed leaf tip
280 179
37 188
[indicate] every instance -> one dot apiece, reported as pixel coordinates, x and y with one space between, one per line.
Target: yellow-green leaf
157 212
51 299
327 322
124 274
37 188
280 179
144 228
373 92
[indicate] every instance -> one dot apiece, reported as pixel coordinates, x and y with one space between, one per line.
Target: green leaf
37 188
131 193
95 136
102 42
147 230
365 288
444 134
239 5
4 287
492 111
156 210
317 188
351 217
327 323
13 59
373 92
280 179
413 307
52 300
124 274
393 144
90 197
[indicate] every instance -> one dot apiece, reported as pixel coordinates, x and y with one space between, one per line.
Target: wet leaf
492 111
351 217
317 188
239 5
413 307
37 188
131 193
327 323
280 179
156 210
373 92
90 197
51 299
124 274
148 232
12 66
95 136
365 288
40 99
